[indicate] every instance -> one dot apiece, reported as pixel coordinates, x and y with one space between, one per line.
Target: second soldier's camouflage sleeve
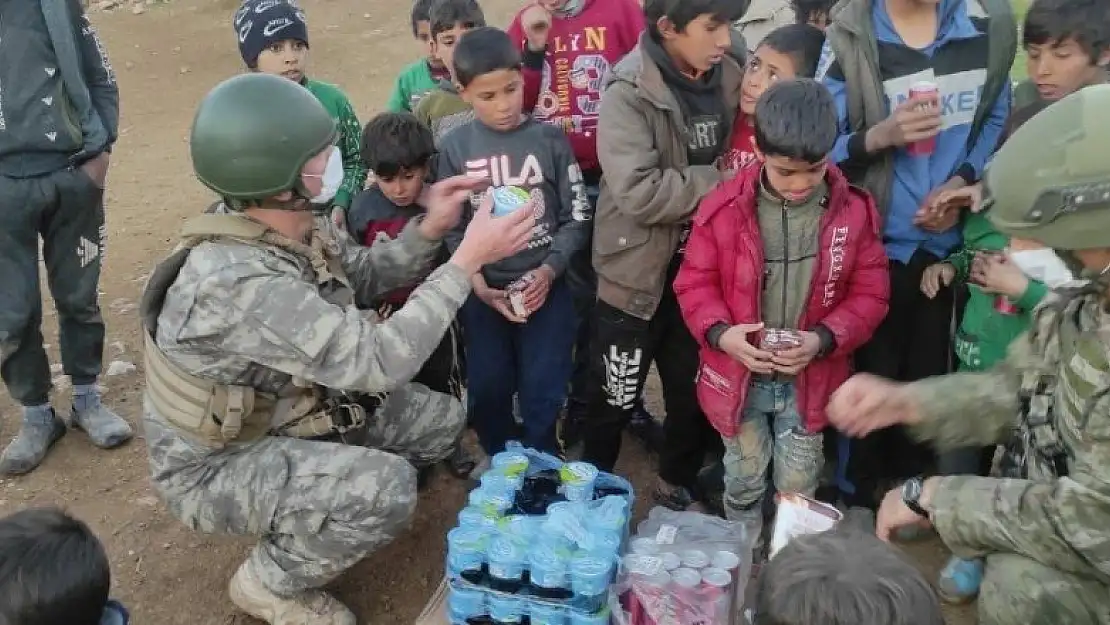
971 409
389 264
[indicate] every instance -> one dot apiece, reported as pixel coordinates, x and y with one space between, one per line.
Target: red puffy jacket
721 280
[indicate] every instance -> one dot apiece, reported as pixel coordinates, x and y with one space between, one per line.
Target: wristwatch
911 496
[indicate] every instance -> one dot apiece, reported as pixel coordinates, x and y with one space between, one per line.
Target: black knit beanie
260 23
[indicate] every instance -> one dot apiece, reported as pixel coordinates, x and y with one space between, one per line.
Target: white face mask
1043 265
331 179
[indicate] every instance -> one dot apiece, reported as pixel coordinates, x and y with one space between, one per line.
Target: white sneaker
311 607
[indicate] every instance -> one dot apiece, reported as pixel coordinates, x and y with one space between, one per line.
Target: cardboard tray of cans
539 542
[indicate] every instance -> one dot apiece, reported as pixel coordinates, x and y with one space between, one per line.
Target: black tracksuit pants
66 210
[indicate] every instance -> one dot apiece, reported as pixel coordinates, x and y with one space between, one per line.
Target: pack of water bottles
538 543
682 568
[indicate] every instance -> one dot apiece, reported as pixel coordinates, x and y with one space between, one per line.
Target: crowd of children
690 190
688 170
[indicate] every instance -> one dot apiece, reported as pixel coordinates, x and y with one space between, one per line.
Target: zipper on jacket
785 270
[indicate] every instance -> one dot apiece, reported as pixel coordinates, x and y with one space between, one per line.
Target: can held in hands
930 90
508 199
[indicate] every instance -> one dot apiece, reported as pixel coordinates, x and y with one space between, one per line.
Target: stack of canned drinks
537 544
665 586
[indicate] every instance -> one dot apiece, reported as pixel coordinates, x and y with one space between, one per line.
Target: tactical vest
218 414
1034 451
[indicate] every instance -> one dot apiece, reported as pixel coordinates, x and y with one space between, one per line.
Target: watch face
911 490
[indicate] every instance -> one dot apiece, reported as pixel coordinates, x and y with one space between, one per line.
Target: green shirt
985 333
350 134
414 82
443 110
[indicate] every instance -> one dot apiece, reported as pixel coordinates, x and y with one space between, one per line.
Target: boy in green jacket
423 76
273 39
1067 45
443 109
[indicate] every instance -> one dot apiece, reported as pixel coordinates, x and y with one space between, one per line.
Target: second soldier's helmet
253 134
1050 181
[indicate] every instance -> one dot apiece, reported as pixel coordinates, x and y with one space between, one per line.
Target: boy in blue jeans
54 570
524 348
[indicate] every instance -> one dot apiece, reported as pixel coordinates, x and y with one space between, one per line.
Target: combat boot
311 607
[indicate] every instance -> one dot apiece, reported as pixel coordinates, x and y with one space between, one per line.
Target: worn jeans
771 430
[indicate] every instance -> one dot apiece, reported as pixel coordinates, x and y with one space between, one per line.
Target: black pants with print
622 351
913 342
66 210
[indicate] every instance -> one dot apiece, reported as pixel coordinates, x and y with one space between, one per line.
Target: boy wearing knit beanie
273 39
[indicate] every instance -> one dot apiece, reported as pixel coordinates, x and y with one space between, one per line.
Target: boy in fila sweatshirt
568 47
507 352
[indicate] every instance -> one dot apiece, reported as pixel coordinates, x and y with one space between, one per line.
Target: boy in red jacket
785 245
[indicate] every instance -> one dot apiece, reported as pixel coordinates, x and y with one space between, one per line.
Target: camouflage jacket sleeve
388 264
972 409
279 321
1062 523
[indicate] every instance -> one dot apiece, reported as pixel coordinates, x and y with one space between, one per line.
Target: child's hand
935 277
536 293
339 218
496 299
536 22
792 361
994 273
734 342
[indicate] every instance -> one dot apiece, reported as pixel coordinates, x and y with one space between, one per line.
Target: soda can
714 589
726 560
507 199
695 559
923 89
686 590
1003 306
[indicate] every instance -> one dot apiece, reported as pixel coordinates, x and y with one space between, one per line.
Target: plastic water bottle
542 613
465 603
506 564
506 609
466 548
547 570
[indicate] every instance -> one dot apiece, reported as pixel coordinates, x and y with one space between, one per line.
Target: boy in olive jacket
664 122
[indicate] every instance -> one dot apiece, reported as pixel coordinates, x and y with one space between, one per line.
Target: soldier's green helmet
253 134
1050 181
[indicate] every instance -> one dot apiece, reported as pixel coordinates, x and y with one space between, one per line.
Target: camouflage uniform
1045 529
240 313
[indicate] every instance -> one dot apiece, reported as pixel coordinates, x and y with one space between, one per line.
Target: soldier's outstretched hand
444 202
489 239
866 403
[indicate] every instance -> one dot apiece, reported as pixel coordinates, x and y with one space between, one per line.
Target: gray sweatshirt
42 129
538 158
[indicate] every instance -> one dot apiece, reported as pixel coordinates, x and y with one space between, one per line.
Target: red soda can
924 89
1003 306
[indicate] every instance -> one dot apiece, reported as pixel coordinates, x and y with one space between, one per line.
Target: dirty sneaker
311 606
105 428
40 430
959 580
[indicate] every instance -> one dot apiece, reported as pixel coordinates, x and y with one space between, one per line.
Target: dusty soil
165 60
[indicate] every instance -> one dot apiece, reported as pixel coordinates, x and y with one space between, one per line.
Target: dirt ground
165 60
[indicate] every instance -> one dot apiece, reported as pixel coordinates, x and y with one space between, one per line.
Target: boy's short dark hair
53 570
394 142
447 14
421 12
482 51
1055 21
843 577
682 12
806 9
801 42
796 119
